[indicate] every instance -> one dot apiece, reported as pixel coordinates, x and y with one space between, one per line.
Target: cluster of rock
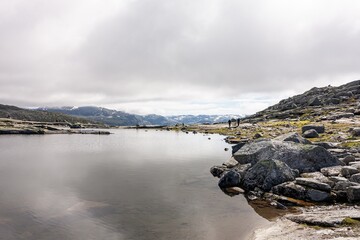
290 168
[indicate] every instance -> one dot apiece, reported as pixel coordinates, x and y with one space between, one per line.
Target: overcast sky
174 56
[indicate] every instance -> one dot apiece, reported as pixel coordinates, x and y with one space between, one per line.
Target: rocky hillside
13 112
324 102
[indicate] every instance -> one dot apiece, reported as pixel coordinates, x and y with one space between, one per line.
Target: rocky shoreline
12 126
321 180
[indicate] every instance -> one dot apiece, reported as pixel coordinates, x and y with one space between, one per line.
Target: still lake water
133 184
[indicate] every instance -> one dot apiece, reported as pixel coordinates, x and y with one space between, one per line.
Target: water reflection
129 185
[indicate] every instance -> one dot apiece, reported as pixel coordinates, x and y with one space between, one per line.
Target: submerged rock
304 157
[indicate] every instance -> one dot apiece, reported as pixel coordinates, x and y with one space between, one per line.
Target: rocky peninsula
300 158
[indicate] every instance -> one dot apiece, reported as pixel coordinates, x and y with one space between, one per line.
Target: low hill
7 111
317 102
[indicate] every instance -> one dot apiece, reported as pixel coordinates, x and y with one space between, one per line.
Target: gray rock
313 183
236 147
304 157
267 173
348 159
217 171
344 185
353 193
318 128
317 195
241 168
233 191
340 115
355 165
315 102
230 163
290 189
355 132
292 137
258 135
230 179
325 216
347 171
338 179
318 176
331 171
334 101
355 178
315 175
312 133
326 145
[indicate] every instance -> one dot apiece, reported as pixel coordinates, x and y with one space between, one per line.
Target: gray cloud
174 56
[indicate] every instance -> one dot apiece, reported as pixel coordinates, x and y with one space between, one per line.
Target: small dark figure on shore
229 122
238 121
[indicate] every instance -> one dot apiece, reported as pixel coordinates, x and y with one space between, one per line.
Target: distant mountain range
7 111
120 118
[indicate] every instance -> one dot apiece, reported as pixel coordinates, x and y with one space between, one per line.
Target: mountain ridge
121 118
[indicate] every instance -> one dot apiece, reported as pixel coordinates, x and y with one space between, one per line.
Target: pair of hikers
237 120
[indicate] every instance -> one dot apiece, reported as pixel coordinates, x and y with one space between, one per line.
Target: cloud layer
171 57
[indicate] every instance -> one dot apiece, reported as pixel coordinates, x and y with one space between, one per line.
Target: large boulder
318 128
267 173
303 157
290 189
292 137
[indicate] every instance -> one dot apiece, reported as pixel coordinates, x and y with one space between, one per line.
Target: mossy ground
335 131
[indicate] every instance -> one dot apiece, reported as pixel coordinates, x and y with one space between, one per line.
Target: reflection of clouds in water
67 217
68 188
